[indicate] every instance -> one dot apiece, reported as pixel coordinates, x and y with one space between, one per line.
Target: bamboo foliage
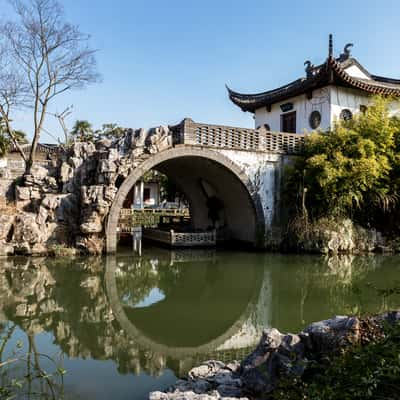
352 170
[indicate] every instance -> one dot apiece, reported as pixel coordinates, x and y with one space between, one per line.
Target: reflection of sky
155 295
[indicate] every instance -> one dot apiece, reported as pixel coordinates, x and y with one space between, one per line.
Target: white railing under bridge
131 218
228 137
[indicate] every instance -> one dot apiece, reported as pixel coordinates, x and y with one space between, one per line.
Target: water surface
126 325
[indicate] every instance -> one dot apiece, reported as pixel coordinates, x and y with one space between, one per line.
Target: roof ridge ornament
346 52
309 68
330 53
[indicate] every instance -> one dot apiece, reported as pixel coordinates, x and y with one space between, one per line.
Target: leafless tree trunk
47 56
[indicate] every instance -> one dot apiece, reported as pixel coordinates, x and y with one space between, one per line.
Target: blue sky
164 60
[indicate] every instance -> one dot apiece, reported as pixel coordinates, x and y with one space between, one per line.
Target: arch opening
218 193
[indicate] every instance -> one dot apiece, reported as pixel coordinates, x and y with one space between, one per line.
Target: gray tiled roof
332 72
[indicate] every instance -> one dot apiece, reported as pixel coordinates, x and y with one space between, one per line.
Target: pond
120 327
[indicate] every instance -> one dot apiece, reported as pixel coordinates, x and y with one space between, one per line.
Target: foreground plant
370 371
22 374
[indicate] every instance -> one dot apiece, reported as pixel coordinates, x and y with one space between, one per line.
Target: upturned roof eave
330 73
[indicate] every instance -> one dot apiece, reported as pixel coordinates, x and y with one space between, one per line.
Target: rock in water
277 355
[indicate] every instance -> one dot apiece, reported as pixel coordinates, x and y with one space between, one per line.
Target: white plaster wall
263 170
154 194
303 107
356 72
342 98
329 101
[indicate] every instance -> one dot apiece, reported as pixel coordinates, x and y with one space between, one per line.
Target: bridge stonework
77 198
256 158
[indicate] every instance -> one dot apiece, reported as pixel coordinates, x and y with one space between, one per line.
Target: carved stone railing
228 137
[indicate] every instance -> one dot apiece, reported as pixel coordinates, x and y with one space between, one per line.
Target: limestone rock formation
335 237
67 201
277 355
212 380
6 223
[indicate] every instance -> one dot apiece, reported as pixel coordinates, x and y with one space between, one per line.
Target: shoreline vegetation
345 186
340 358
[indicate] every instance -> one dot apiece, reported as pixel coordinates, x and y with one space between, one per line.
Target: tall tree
42 56
110 130
82 129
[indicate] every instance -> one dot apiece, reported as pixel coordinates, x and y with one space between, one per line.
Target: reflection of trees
137 277
69 299
311 288
28 374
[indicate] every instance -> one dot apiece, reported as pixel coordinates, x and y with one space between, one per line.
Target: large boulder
6 249
328 236
63 208
91 244
22 193
91 222
26 229
58 233
211 380
276 356
37 175
39 250
6 223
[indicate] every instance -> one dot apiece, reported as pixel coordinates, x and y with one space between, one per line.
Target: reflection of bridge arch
145 340
187 165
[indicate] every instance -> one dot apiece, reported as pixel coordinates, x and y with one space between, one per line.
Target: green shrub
62 250
371 371
351 171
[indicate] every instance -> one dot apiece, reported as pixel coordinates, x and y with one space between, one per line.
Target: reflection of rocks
69 300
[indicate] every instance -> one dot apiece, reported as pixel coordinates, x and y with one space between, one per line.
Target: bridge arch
187 165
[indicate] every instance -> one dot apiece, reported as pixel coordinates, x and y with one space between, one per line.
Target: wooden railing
228 137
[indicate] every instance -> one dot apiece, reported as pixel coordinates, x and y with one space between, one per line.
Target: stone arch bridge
241 167
82 188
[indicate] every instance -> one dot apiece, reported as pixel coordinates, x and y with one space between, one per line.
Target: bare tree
61 120
45 56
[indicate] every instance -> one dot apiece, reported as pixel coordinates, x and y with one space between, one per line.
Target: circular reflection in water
185 307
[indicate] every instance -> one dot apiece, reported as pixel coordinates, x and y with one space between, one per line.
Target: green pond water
124 326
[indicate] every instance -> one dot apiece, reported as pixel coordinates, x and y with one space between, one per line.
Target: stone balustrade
228 137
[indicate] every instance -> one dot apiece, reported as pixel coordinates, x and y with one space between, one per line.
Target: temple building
336 89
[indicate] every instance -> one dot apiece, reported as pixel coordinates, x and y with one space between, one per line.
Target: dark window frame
146 194
289 122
